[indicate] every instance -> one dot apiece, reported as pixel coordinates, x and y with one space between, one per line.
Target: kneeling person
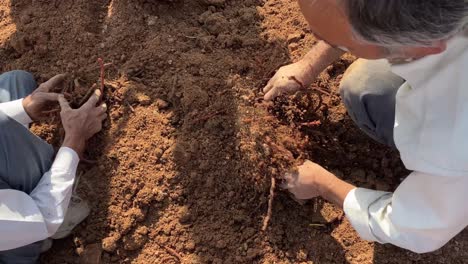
36 188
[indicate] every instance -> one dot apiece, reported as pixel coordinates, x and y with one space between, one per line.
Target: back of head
406 22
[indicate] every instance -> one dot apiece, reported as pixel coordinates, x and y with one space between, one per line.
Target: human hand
309 181
42 100
81 124
289 79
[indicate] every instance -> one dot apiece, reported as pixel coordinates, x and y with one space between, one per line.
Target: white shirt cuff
356 207
66 159
15 110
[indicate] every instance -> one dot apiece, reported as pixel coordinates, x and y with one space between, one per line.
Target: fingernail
97 92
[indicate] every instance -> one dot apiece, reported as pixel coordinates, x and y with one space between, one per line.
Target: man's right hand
289 79
81 124
299 75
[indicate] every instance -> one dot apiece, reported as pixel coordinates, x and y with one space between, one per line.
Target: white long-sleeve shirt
431 133
25 219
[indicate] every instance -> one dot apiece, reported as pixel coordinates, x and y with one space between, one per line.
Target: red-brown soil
185 160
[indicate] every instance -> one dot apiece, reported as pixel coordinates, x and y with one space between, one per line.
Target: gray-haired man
410 93
35 186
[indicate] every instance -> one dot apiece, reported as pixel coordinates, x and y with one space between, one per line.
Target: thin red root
312 123
270 204
293 78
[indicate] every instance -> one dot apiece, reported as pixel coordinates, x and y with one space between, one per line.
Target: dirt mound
183 166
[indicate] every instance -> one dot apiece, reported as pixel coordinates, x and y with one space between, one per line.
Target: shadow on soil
198 190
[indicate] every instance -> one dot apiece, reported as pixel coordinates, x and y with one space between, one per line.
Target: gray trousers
368 89
24 157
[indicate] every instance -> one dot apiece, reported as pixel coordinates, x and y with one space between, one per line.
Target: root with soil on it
266 221
172 252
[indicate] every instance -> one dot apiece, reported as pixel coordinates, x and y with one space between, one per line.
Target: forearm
335 190
320 57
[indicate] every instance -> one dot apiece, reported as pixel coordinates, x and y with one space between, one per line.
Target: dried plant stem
87 95
270 204
172 252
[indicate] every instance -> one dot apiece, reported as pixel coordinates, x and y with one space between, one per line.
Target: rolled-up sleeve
422 215
25 219
15 110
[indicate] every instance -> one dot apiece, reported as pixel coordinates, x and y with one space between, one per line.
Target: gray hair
406 22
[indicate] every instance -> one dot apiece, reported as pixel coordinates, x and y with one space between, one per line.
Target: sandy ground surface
184 164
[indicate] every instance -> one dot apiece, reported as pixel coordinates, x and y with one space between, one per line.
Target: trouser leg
24 157
24 255
368 90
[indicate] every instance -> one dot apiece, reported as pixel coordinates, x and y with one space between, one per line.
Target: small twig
190 37
312 123
172 252
130 106
166 259
270 204
87 95
322 91
317 225
106 65
52 111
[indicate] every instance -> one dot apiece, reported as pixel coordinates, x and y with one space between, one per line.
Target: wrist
307 72
334 189
75 142
327 182
26 102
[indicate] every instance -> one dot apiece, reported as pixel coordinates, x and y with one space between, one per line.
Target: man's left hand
312 180
42 100
308 181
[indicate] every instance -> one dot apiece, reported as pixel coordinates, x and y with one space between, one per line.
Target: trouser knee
368 90
15 85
